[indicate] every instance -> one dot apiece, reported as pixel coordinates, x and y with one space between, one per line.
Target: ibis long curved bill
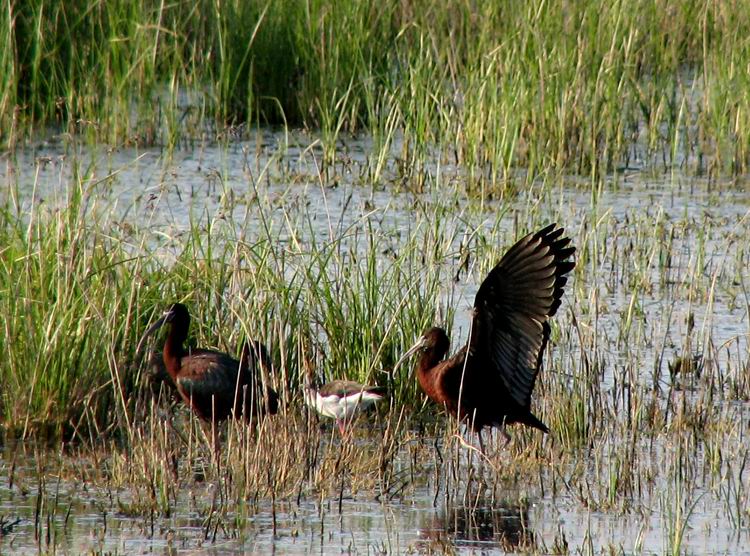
489 381
411 351
153 328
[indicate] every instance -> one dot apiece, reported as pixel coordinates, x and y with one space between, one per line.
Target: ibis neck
173 350
429 360
428 381
430 369
427 374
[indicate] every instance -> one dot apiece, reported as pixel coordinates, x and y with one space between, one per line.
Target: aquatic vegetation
66 306
443 133
339 280
556 85
83 282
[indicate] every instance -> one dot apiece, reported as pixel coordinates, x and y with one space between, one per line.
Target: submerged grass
550 85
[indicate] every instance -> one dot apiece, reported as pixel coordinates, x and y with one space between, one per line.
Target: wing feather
512 307
206 374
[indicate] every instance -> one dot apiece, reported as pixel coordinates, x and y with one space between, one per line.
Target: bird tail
533 421
377 390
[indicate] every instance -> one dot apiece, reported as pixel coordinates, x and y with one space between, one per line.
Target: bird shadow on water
479 502
482 524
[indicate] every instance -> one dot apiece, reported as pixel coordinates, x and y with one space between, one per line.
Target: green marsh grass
333 285
65 304
507 92
71 271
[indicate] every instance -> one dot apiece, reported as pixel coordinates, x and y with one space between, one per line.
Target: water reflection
503 525
7 525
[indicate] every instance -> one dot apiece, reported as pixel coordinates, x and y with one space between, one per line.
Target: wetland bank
338 238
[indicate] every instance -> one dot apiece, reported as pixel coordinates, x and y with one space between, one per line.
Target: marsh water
690 496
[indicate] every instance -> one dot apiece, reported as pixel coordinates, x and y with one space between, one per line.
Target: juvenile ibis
490 380
342 400
213 384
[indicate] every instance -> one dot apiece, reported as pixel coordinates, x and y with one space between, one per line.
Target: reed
644 385
81 287
552 86
67 308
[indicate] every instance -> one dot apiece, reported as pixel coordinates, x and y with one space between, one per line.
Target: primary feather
490 380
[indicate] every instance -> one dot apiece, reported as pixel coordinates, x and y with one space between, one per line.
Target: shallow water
89 519
702 227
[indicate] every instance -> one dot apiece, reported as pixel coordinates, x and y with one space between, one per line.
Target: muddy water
705 513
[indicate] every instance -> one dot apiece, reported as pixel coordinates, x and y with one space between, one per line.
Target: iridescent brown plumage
509 332
213 384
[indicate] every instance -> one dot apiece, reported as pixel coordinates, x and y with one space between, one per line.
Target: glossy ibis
213 384
489 381
342 400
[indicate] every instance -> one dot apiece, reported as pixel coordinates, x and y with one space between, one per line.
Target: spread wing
510 328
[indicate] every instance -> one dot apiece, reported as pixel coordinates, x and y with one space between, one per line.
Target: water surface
629 229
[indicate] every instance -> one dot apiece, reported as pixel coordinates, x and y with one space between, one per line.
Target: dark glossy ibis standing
489 381
342 400
213 384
